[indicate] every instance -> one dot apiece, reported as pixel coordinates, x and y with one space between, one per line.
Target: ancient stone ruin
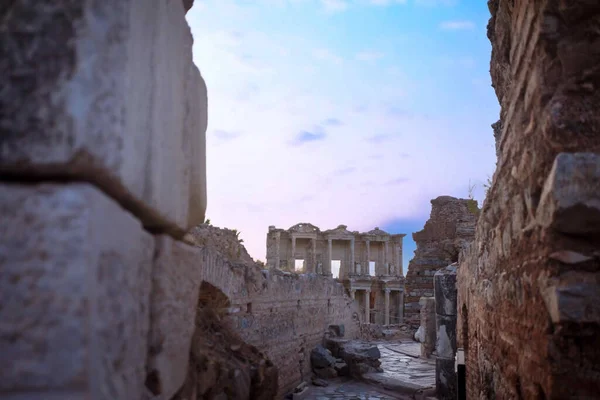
112 286
450 228
369 264
529 286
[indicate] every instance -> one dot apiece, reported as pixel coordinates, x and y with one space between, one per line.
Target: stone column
427 328
387 307
352 268
353 294
368 306
277 250
368 264
329 251
314 255
446 317
385 257
401 307
293 266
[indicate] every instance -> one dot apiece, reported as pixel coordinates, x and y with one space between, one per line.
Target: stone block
74 292
573 297
173 303
445 291
121 104
445 379
570 200
445 345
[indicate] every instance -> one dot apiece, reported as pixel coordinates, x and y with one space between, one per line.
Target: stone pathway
351 390
405 374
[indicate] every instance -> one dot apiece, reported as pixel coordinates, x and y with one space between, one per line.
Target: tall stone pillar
329 253
387 307
352 268
401 306
314 256
385 256
368 306
277 250
427 328
368 264
446 316
293 263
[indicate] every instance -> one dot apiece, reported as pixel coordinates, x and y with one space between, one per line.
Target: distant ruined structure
449 229
369 264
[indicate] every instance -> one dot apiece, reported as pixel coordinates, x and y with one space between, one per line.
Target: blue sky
354 112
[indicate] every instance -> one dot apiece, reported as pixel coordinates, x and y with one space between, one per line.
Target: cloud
369 56
225 135
332 122
307 137
457 25
344 171
333 6
327 55
378 138
397 181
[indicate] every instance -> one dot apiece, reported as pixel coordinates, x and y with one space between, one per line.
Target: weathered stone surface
445 290
74 292
529 328
361 358
325 373
120 105
445 379
445 345
570 201
450 228
338 330
173 302
341 368
320 357
573 297
428 331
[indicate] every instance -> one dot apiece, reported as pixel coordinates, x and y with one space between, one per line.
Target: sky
353 112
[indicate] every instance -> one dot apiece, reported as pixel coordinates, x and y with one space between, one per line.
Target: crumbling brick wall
529 286
450 227
283 314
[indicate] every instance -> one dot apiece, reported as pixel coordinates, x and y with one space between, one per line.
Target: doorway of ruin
299 265
372 268
335 268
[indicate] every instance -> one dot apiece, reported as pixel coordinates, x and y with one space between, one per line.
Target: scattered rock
319 382
341 368
320 357
569 257
337 330
325 373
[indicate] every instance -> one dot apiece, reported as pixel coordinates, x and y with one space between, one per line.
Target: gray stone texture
74 293
428 330
570 200
106 92
175 288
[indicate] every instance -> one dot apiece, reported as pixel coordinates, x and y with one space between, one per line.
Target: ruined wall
283 314
451 226
529 286
89 214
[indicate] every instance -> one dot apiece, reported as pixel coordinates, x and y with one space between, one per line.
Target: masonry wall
283 314
451 226
529 286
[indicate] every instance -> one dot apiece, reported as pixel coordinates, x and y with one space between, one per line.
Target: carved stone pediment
377 232
304 227
341 230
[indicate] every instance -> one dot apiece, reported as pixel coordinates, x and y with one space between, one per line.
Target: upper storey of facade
340 252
